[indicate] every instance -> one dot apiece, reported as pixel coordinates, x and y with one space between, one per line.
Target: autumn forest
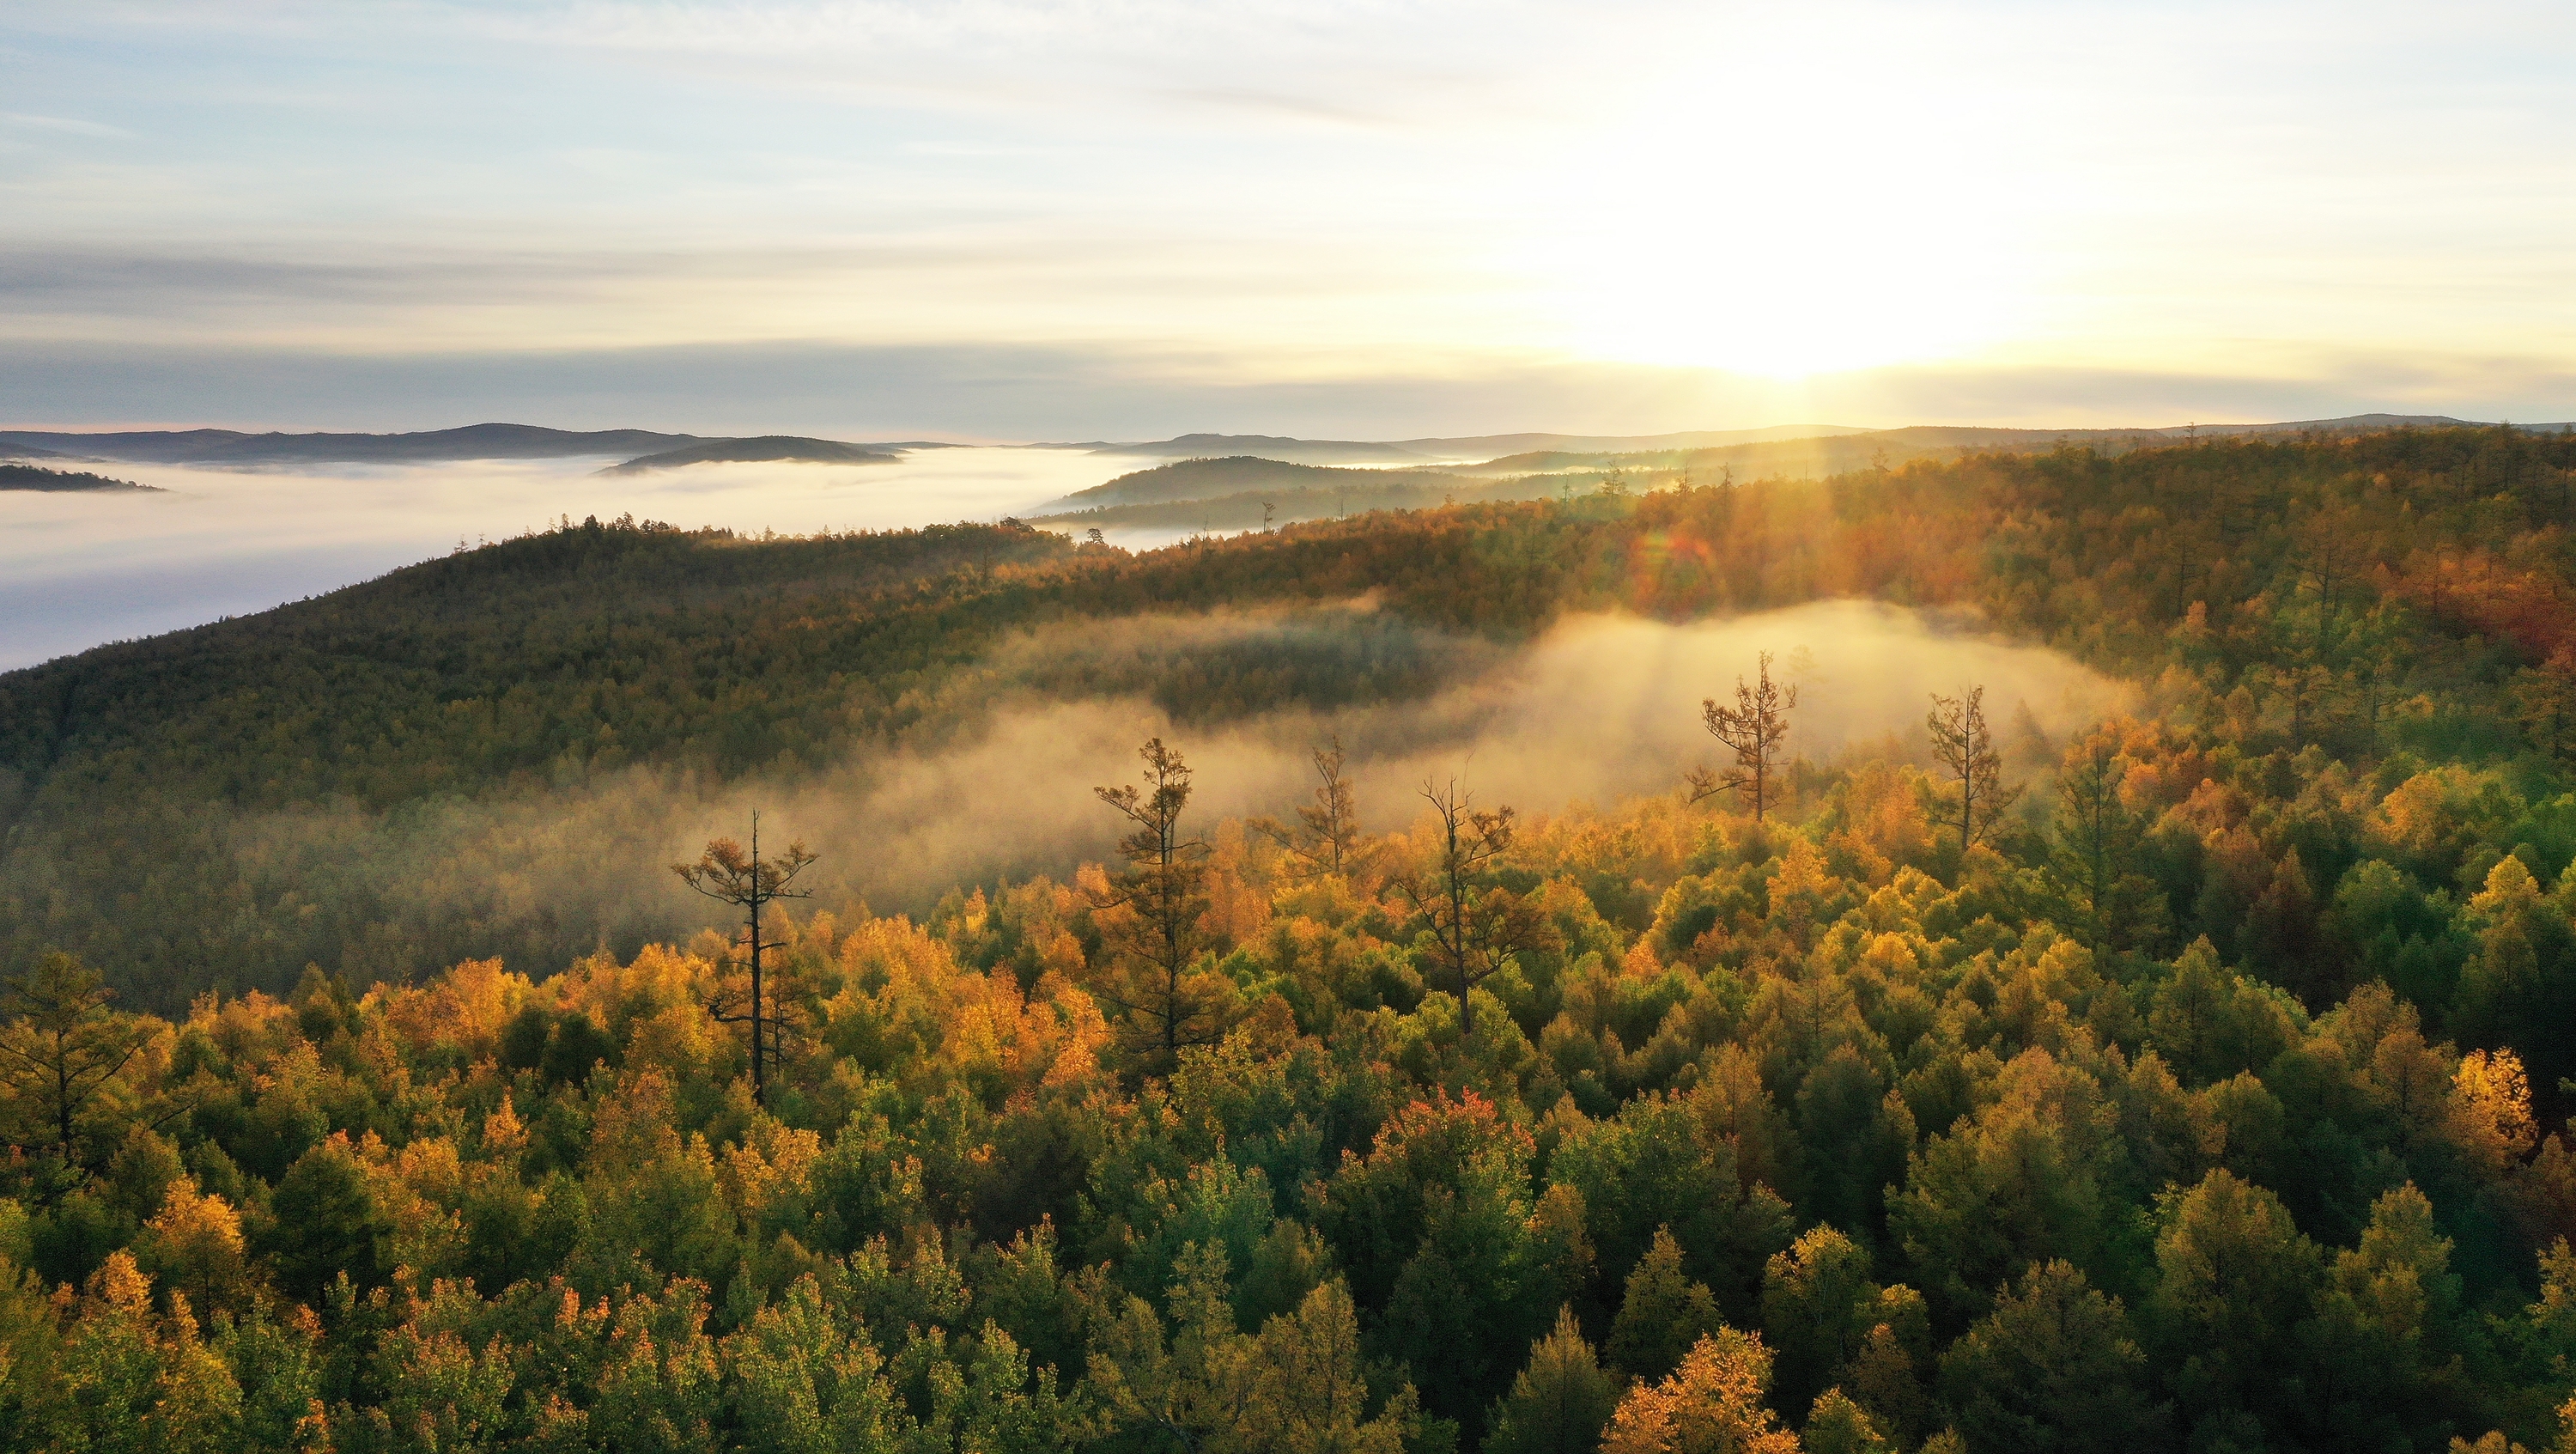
2195 1078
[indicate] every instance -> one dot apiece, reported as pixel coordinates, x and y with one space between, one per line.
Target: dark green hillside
1194 479
34 477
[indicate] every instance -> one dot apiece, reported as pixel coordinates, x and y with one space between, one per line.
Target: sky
1121 219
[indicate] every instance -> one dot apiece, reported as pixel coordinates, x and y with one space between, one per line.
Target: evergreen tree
1560 1403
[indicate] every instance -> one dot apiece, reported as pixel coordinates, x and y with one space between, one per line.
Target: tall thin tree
1164 888
1476 925
730 875
1753 729
1966 750
2094 838
1326 838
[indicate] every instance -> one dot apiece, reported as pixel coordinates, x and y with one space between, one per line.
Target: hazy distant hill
1488 446
228 446
1271 446
1254 509
764 447
1229 493
1200 479
30 477
1804 449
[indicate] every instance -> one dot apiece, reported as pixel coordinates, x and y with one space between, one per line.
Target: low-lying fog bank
1597 709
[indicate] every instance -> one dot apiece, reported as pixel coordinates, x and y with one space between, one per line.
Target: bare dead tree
1164 887
1753 729
1326 838
1967 751
730 875
1476 925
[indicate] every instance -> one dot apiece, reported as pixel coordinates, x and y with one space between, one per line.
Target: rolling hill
766 447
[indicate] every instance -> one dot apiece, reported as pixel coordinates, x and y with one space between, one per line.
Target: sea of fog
80 569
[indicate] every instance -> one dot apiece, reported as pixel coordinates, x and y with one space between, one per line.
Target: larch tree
1966 750
1164 889
2094 842
61 1054
730 874
1325 840
1560 1402
1712 1404
1475 924
1753 729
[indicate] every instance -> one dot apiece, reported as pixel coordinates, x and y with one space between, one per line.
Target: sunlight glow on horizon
1970 210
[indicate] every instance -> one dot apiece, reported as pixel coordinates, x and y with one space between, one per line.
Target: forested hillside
2200 1090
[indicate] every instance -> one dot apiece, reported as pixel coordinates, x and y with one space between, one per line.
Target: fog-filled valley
994 784
79 569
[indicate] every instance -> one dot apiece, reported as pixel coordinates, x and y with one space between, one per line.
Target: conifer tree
1325 840
1476 926
1559 1403
730 875
60 1055
1711 1405
1966 750
1753 729
1662 1313
1167 1006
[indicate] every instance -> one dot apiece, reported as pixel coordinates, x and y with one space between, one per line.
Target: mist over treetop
541 664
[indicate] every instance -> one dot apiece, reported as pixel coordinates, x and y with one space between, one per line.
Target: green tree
1836 1425
1168 1005
2387 1343
61 1054
1818 1307
1559 1403
1662 1313
2234 1279
2093 848
2051 1370
325 1223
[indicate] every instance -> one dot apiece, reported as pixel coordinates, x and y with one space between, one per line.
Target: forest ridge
2199 1088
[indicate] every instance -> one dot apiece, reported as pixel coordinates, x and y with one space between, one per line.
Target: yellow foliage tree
1711 1405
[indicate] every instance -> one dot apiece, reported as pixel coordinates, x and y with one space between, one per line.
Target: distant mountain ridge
766 447
643 449
1280 447
232 446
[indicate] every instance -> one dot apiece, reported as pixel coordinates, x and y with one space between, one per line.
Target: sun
1778 236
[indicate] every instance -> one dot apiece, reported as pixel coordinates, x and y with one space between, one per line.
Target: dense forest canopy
2200 1087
